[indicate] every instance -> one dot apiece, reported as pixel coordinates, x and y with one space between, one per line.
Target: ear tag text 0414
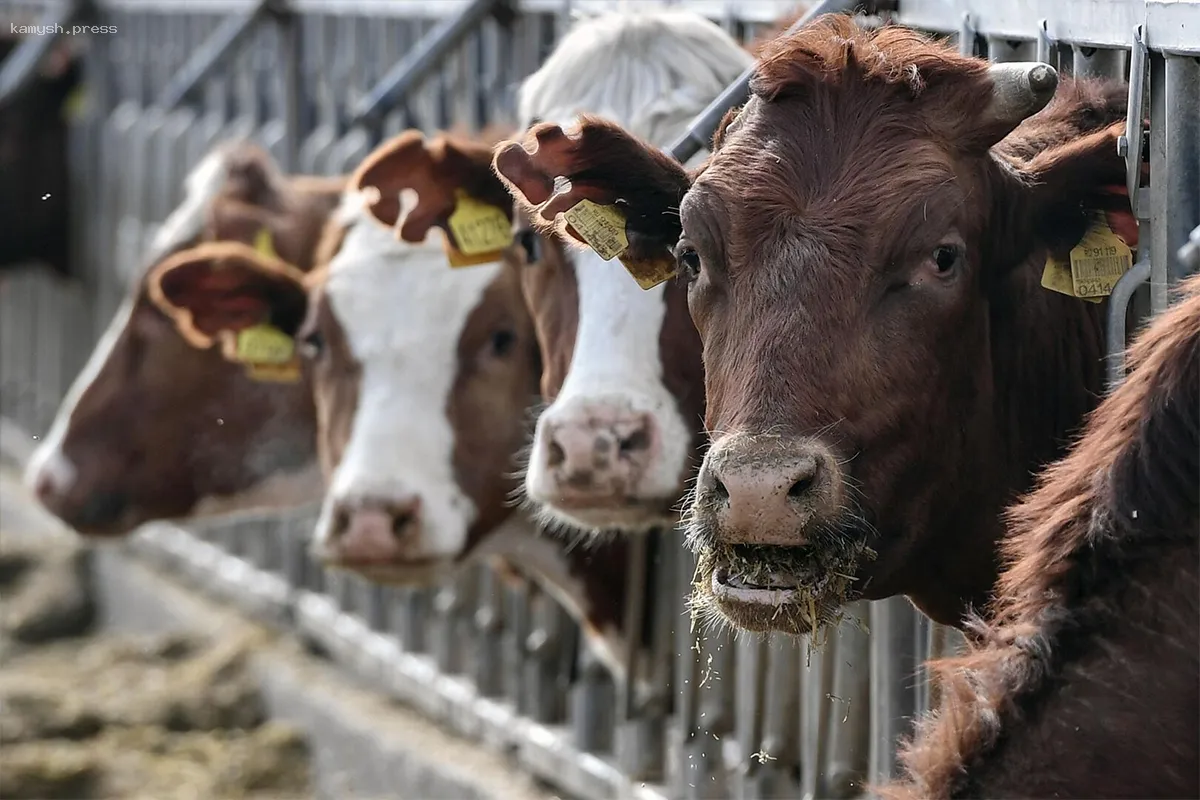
1095 266
603 228
269 354
480 232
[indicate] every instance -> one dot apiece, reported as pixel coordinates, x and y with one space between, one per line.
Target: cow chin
621 515
763 588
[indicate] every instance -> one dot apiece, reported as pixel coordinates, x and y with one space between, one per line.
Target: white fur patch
651 72
617 355
402 310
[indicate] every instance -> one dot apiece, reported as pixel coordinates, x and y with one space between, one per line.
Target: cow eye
531 244
687 261
946 259
312 345
502 343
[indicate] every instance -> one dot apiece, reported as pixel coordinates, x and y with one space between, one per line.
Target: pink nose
765 490
374 533
597 451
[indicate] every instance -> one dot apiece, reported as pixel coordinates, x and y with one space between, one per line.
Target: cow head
864 251
623 379
154 428
422 374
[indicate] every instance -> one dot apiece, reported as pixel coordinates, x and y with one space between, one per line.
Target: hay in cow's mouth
769 588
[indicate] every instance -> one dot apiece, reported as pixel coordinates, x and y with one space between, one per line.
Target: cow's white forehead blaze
402 310
201 187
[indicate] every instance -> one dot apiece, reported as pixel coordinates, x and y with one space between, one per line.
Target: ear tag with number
268 353
1095 265
480 232
603 228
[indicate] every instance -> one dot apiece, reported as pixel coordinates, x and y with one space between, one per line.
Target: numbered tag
603 228
264 344
1095 265
264 244
479 227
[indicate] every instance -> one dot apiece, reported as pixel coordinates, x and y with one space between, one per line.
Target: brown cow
863 253
33 161
622 372
153 428
1086 679
422 374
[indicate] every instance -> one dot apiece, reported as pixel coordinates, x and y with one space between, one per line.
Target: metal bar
423 59
1130 143
1118 308
18 70
699 134
1174 168
223 42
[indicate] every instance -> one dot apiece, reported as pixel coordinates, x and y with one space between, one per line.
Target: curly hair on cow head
833 48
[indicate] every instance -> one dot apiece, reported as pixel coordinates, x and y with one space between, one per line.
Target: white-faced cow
622 369
422 374
153 428
1085 679
864 255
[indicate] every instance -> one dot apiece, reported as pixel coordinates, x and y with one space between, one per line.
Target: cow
422 375
155 429
33 161
1083 681
863 255
622 375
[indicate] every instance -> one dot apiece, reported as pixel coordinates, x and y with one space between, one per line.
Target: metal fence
320 82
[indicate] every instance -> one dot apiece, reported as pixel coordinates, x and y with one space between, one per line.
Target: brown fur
1085 681
857 152
165 424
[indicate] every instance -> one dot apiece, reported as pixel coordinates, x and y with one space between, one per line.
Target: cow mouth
793 590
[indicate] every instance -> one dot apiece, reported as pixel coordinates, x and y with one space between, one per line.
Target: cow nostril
555 454
341 521
638 440
400 522
801 487
718 488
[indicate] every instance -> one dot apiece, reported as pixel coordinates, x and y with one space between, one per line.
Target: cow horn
1020 90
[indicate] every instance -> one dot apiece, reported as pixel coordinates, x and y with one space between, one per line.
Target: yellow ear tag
603 228
264 244
269 354
481 232
1096 264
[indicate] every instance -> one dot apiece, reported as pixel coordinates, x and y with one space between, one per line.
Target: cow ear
214 291
437 171
1072 184
604 165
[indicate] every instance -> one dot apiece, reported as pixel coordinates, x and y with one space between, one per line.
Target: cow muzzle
597 463
778 547
383 540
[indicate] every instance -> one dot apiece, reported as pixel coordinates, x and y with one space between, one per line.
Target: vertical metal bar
1174 167
893 666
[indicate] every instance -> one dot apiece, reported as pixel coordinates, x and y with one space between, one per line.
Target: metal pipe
699 134
222 43
1118 306
423 59
17 71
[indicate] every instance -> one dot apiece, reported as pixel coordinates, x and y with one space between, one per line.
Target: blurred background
216 659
